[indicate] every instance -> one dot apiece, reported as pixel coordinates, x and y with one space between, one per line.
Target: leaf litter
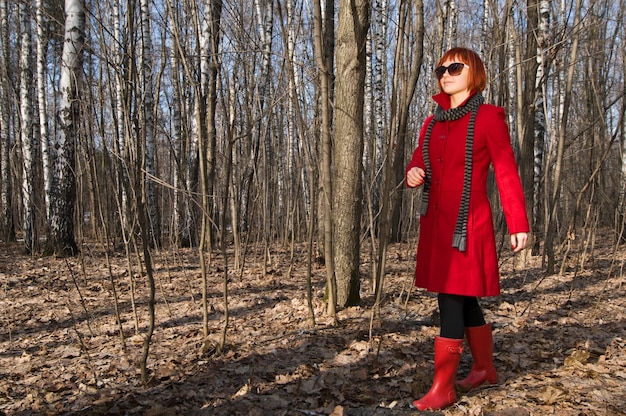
559 341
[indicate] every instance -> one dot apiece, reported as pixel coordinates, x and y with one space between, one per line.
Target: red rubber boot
480 342
443 392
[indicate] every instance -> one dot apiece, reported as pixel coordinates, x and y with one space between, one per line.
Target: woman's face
455 84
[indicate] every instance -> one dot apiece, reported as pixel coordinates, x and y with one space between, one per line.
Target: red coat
440 267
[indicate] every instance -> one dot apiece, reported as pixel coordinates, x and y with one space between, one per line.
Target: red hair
477 77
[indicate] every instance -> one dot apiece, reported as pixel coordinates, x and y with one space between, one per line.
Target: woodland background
189 190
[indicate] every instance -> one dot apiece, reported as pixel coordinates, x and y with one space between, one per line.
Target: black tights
458 312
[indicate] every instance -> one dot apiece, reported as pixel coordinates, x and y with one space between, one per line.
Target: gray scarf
459 239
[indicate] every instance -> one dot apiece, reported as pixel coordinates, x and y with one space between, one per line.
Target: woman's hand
415 177
518 241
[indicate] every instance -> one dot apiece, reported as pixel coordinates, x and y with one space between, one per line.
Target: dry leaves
559 342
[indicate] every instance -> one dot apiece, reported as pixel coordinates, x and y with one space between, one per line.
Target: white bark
292 119
622 190
512 41
451 24
64 180
42 46
121 131
29 148
180 196
6 190
147 112
380 65
544 43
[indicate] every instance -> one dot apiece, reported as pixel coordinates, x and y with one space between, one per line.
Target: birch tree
42 46
451 24
6 188
263 12
180 224
622 183
27 133
121 132
62 197
265 17
408 63
146 113
405 77
544 42
375 141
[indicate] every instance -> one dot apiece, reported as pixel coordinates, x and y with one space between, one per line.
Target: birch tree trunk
121 133
63 196
146 114
402 96
27 133
42 46
6 188
210 64
403 89
622 189
540 106
377 113
451 24
180 196
347 199
265 16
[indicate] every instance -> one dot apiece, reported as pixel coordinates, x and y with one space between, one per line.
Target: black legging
458 312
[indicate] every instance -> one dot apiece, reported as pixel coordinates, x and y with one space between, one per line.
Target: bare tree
526 66
324 43
544 43
6 189
146 114
62 197
375 103
558 168
404 83
42 46
352 27
622 182
27 133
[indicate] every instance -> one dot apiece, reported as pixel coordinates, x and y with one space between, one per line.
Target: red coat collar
443 99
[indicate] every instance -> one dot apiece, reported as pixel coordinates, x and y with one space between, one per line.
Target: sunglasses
453 69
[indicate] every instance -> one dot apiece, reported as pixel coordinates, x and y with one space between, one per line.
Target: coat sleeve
418 159
506 172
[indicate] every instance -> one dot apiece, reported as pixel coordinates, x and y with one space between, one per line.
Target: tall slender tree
352 27
6 188
324 45
563 128
147 111
544 42
42 47
27 133
63 194
407 68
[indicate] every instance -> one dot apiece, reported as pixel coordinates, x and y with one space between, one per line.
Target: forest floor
560 340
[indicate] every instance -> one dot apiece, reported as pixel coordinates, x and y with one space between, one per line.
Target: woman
456 253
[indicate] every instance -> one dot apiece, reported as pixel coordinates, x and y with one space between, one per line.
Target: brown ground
559 340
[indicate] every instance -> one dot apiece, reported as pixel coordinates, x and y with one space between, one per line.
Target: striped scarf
459 239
